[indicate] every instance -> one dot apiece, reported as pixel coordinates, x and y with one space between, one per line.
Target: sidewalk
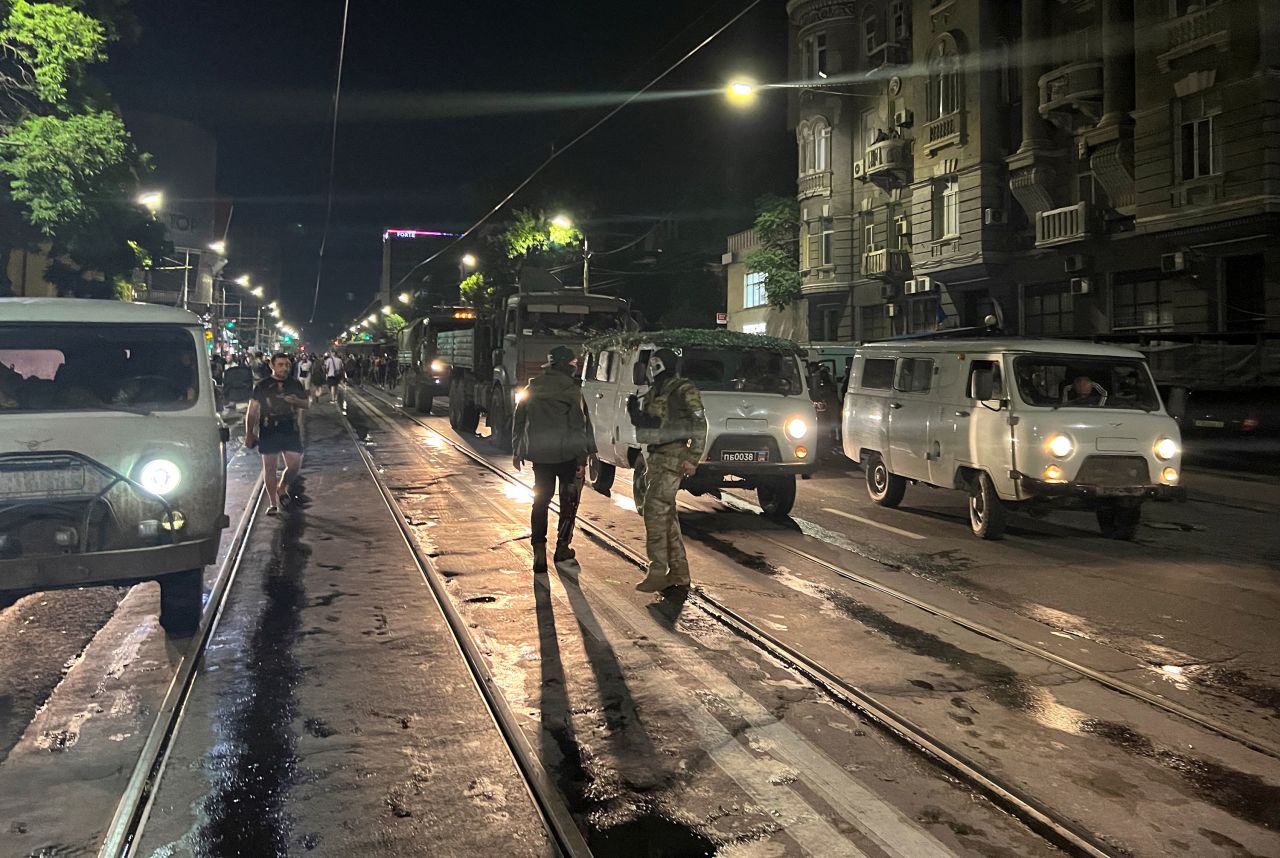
334 711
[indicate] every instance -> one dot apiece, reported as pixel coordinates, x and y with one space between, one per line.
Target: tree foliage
71 167
778 227
476 291
393 323
533 234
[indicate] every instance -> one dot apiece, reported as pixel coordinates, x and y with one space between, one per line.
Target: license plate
1210 424
744 456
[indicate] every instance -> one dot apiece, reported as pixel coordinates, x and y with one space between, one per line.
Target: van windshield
1070 381
750 371
87 367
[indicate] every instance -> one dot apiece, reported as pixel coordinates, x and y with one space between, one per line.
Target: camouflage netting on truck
694 338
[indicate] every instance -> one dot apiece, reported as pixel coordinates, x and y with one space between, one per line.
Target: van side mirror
982 385
637 374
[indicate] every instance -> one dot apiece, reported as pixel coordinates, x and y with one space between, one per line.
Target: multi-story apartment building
1077 167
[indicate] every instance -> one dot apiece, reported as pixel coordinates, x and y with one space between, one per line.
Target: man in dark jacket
551 429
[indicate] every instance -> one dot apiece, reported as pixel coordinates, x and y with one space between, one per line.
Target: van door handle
962 413
599 396
895 405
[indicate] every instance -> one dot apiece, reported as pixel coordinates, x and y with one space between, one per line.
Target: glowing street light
151 200
405 298
741 92
219 247
243 280
562 221
256 292
388 310
373 317
469 260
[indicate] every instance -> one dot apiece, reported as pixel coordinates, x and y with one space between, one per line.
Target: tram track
1038 815
134 807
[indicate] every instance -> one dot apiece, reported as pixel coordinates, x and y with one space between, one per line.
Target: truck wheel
469 420
1119 521
885 488
777 496
600 475
181 601
986 511
499 421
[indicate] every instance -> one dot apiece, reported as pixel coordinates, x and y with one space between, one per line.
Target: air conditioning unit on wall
859 169
1079 285
1171 263
919 285
1075 263
995 217
904 118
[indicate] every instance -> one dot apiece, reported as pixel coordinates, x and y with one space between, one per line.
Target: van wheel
600 475
987 515
181 602
884 488
777 496
499 421
1119 521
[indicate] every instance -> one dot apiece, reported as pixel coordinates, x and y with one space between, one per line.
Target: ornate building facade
1077 167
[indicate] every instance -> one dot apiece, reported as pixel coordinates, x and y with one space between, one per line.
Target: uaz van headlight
797 428
1165 449
1059 446
437 367
159 476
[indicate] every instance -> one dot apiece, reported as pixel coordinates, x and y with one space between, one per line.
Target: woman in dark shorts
274 424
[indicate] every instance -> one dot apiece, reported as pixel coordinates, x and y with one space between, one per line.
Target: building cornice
805 13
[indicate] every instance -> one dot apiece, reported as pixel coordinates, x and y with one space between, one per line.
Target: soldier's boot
563 553
653 582
540 559
678 578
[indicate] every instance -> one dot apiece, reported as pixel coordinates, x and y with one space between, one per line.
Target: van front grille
1114 471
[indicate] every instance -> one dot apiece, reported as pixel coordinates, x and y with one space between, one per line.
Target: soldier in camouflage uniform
670 422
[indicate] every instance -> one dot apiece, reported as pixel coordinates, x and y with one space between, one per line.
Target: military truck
423 375
488 362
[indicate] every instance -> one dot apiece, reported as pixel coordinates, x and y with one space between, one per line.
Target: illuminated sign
416 233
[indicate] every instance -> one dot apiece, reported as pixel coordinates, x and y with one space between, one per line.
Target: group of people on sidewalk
552 430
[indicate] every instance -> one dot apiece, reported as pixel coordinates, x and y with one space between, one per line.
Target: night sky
418 146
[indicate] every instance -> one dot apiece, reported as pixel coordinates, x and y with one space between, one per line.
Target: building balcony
1071 95
886 264
814 184
888 161
1064 225
943 131
1188 34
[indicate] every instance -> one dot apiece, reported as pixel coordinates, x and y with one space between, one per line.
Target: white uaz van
1013 421
761 426
111 452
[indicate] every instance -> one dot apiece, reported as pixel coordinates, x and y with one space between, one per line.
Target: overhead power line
575 141
333 157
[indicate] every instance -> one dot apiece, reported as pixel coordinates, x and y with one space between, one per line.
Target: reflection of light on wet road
520 494
433 440
625 502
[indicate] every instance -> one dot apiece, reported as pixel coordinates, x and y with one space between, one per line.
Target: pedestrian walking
333 372
551 429
672 426
273 423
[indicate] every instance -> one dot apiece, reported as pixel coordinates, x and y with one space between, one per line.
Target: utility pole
586 266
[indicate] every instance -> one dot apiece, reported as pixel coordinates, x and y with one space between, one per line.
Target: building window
870 35
828 225
1141 302
754 293
944 80
1197 149
813 56
1047 310
869 237
1010 85
873 324
946 208
902 232
898 21
815 245
813 137
1178 8
831 323
922 315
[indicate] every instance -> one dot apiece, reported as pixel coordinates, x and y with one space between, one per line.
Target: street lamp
243 280
256 292
741 92
219 247
373 317
562 221
405 298
387 310
469 260
151 200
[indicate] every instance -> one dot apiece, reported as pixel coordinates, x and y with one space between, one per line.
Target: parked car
1012 422
761 426
1237 427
